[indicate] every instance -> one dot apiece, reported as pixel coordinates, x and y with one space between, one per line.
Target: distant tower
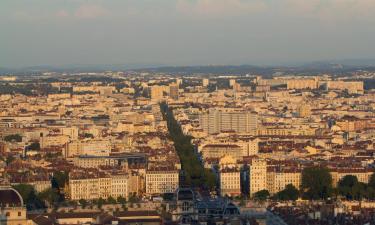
156 92
232 82
178 81
173 91
205 82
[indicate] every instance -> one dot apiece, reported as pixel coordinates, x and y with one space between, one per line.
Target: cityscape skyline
192 112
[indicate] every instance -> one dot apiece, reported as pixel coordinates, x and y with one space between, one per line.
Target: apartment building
250 146
350 86
302 84
257 175
94 185
229 177
162 180
363 174
352 123
278 178
220 150
124 159
173 91
53 140
157 92
285 131
205 82
218 120
88 147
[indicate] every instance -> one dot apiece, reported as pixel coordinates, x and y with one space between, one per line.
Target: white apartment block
218 120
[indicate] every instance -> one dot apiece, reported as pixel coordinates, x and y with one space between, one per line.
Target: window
19 213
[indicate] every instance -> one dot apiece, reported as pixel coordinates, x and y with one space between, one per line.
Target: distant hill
307 69
312 68
216 69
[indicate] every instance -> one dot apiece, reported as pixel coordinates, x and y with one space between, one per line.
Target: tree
261 195
29 196
9 159
360 191
210 179
289 193
111 200
13 138
370 192
121 200
88 135
33 146
316 183
168 196
371 182
50 195
133 198
345 186
194 173
59 179
100 203
83 203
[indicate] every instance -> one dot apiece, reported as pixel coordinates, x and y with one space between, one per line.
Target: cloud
220 7
89 11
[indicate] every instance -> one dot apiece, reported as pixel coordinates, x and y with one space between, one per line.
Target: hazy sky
184 32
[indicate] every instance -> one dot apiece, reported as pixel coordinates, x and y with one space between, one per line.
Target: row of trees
29 89
13 138
317 185
194 172
110 200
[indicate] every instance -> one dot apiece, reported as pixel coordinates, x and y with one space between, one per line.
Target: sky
184 32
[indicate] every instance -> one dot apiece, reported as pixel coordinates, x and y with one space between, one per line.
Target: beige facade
90 147
157 92
94 162
161 181
277 180
230 182
302 84
281 131
205 82
173 91
350 86
249 147
95 187
218 120
229 177
362 175
257 176
53 140
220 150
